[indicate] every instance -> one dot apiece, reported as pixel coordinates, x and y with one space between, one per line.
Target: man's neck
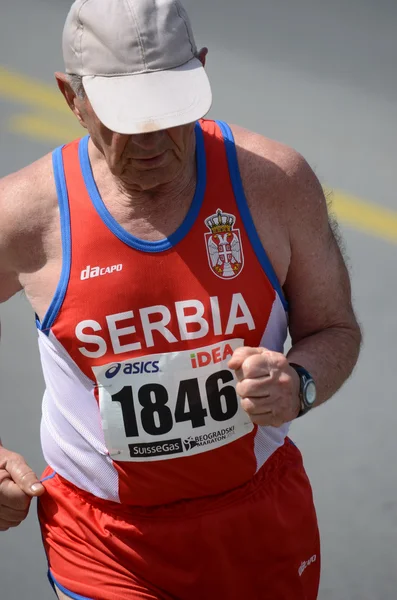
138 200
181 188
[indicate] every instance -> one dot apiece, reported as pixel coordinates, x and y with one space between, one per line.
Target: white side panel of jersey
268 439
71 434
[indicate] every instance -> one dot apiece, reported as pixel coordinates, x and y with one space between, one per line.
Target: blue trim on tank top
245 212
69 594
62 193
122 234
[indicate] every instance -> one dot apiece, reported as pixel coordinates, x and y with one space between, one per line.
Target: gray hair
76 83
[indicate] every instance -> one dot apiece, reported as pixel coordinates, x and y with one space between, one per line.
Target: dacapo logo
156 448
90 272
208 438
134 368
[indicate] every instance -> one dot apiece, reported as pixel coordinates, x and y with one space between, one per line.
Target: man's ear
69 95
65 89
202 56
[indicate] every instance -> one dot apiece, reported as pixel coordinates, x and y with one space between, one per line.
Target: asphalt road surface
319 76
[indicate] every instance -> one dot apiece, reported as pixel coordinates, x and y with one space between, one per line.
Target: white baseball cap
138 62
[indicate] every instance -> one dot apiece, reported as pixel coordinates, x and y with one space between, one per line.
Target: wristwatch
307 391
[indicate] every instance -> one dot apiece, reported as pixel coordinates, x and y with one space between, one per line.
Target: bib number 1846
156 416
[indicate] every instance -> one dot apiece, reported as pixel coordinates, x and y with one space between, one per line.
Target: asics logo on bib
133 368
190 319
90 272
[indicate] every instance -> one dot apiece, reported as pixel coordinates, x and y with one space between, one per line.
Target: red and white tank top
140 406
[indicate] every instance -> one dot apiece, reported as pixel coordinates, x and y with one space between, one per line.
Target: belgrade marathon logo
208 438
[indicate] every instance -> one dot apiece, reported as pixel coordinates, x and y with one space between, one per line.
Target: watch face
310 393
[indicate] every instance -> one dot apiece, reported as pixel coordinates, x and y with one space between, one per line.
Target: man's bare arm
28 210
290 214
9 283
324 331
22 210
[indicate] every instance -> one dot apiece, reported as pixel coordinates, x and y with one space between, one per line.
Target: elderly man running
166 256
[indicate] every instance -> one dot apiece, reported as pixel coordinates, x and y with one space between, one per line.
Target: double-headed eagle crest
225 253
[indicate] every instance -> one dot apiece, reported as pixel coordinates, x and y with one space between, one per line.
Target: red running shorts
257 542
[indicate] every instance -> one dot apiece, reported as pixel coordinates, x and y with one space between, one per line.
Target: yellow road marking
49 119
45 128
30 92
365 216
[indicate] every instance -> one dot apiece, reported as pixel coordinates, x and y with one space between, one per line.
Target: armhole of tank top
241 200
63 201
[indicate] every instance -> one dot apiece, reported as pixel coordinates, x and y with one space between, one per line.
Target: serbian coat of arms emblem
224 249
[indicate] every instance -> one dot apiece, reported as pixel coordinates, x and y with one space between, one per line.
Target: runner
166 257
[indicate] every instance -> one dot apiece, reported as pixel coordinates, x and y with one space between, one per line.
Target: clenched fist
18 484
267 384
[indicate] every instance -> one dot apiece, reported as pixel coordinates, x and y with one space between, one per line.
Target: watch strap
304 376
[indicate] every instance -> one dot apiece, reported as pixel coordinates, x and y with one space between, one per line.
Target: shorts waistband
273 469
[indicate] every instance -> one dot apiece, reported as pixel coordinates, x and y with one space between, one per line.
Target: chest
40 284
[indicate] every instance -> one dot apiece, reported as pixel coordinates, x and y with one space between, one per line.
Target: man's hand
267 384
18 485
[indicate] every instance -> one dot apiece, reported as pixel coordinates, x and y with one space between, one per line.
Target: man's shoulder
35 178
256 149
27 196
281 170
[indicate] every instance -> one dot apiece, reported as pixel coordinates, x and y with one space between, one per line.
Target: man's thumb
23 476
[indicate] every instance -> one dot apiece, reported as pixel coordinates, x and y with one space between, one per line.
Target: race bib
165 406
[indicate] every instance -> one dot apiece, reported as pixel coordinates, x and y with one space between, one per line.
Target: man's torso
41 281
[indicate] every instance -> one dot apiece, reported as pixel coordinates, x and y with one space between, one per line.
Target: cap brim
150 101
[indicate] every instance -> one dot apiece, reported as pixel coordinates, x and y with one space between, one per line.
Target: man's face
142 161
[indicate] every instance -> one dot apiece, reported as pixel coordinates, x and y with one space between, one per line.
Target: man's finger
258 387
23 476
12 496
253 367
263 417
12 515
257 406
4 524
260 416
3 475
240 355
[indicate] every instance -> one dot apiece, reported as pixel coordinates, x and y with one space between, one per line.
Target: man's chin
148 164
147 179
